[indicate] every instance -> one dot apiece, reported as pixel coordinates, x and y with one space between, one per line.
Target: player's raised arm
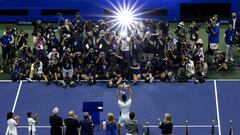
130 91
118 89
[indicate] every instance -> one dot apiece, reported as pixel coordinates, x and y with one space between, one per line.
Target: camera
13 31
66 35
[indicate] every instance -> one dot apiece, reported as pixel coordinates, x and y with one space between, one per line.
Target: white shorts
214 46
122 121
130 134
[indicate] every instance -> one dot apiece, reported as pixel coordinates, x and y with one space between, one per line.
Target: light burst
124 14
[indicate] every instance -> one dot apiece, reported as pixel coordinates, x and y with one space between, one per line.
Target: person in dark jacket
86 124
72 124
167 125
56 123
235 22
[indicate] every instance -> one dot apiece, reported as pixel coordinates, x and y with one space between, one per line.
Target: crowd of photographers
85 50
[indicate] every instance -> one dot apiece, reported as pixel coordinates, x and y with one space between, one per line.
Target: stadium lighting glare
124 14
125 18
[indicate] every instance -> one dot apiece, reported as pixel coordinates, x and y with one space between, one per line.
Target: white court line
207 80
151 126
183 126
15 102
217 107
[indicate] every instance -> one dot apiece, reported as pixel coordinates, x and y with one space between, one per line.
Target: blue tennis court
197 103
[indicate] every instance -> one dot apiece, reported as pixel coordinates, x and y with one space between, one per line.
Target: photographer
78 65
101 65
77 42
198 51
66 42
103 41
181 71
22 40
136 48
78 26
194 33
115 72
148 47
36 72
186 69
219 62
53 56
114 75
136 73
181 33
91 55
168 69
190 68
159 46
39 43
77 19
89 41
67 26
67 67
18 69
201 71
53 72
37 28
164 27
171 43
114 42
213 35
25 53
186 49
125 48
147 71
89 73
52 42
158 67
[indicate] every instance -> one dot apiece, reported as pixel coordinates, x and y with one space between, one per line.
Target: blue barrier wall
89 8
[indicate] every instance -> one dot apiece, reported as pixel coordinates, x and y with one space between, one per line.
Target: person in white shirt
32 121
124 105
53 56
190 68
125 47
12 123
36 70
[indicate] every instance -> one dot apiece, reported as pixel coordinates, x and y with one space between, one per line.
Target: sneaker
196 81
231 59
151 80
29 79
63 84
226 60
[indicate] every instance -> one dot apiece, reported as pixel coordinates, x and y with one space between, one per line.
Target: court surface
197 103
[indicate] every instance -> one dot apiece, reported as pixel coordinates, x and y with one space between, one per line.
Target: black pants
6 54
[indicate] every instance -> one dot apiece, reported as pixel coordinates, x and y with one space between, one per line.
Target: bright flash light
124 15
125 18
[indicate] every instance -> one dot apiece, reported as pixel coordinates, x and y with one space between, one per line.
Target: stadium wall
92 8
